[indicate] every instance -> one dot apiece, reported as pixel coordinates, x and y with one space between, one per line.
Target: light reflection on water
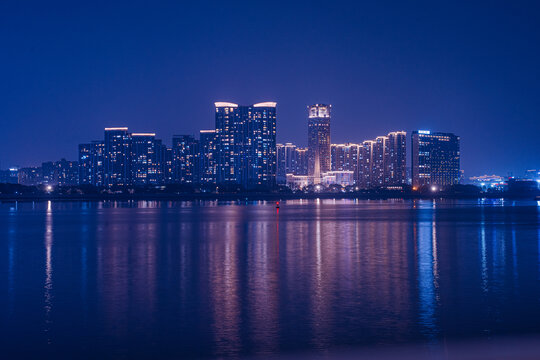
227 279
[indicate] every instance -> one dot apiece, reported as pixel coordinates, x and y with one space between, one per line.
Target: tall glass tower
207 153
246 144
117 169
144 157
435 158
185 159
318 141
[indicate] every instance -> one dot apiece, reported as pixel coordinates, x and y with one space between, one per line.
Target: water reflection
48 270
428 271
262 288
223 273
483 251
12 235
209 279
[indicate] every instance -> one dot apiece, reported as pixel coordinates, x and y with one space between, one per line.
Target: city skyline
270 179
313 112
463 68
300 144
242 150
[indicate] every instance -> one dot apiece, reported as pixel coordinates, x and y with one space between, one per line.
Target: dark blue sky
69 69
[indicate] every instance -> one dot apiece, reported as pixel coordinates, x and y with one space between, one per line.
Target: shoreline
252 197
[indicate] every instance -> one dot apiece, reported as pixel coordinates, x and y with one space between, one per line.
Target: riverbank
250 196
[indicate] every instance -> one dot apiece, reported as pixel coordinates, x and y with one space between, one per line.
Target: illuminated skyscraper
396 158
166 163
344 157
286 161
318 141
66 173
185 159
85 164
281 173
145 159
300 165
378 156
117 169
91 161
435 158
230 129
30 176
382 162
207 156
261 142
246 144
365 160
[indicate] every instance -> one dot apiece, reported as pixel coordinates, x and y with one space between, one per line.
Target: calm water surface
195 280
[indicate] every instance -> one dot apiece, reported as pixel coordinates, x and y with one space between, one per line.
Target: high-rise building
207 156
85 164
379 154
145 166
382 162
281 172
48 175
300 166
9 176
62 173
318 140
91 162
98 163
246 144
396 160
185 159
230 134
122 159
30 176
165 161
435 158
344 157
261 142
365 162
286 161
66 173
117 162
290 158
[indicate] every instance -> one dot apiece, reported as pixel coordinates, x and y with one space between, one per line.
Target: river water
184 280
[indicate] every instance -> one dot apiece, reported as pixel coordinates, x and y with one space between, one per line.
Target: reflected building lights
428 275
499 256
11 261
48 270
223 282
263 290
514 257
320 306
483 253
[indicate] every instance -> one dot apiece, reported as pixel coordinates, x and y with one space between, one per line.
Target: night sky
69 69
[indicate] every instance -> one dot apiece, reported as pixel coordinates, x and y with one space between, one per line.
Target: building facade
145 164
185 159
207 157
435 158
245 141
318 140
383 162
344 157
396 161
117 162
91 162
